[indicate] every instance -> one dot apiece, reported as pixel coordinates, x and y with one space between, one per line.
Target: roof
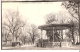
55 26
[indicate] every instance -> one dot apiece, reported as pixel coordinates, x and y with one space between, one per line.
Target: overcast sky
34 12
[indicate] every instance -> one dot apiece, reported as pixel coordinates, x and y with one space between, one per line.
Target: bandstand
51 32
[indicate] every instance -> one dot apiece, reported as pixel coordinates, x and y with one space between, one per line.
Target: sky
34 12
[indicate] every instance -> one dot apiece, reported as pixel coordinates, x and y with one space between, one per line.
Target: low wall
57 44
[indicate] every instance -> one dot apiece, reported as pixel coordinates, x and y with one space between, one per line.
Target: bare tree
5 35
23 38
33 32
75 29
13 24
50 18
73 8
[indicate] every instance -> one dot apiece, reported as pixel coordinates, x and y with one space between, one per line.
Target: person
56 37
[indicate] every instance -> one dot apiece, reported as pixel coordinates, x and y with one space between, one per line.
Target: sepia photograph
40 25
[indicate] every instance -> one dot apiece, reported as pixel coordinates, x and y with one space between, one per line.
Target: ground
32 47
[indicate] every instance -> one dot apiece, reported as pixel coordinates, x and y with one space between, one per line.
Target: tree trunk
16 39
33 40
13 37
79 19
72 29
24 41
